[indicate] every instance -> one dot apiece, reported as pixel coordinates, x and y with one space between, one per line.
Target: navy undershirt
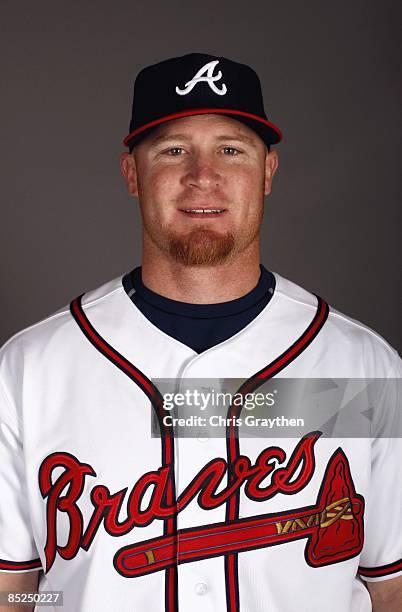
199 326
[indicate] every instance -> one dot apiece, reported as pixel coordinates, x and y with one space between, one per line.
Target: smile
203 211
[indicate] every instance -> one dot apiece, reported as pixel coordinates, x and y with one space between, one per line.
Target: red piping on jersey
104 347
201 111
170 524
382 570
20 566
233 448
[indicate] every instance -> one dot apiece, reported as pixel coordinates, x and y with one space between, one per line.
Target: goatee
201 247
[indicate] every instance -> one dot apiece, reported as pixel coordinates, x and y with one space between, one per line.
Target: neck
201 284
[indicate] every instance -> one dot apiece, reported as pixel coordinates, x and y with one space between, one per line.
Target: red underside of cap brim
203 111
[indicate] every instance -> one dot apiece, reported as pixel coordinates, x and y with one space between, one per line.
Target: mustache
186 200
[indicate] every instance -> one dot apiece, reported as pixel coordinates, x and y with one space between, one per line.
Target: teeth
203 210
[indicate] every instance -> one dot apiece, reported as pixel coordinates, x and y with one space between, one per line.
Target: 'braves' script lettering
286 476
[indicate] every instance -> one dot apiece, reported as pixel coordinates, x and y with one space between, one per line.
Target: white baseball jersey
120 520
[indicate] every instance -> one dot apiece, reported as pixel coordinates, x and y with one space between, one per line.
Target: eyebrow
240 137
223 137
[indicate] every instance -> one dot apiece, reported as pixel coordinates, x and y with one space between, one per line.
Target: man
117 518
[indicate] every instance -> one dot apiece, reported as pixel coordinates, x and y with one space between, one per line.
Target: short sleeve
18 552
381 556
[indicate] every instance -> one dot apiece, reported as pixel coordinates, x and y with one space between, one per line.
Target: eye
231 151
174 151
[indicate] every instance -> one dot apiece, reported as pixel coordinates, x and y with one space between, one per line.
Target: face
189 166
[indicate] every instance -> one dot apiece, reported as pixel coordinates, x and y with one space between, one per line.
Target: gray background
331 79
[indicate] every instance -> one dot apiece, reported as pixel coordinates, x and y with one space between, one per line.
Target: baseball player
93 504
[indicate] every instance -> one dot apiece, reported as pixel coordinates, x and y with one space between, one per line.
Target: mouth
203 212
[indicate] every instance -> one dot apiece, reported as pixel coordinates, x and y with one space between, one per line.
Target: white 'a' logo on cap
209 78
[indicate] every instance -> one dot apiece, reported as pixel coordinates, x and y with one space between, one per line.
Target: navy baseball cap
198 84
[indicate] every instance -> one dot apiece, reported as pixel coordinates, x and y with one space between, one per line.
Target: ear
129 172
271 166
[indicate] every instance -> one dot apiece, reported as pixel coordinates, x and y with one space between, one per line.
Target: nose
202 173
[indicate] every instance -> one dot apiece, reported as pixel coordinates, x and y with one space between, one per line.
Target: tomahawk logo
210 78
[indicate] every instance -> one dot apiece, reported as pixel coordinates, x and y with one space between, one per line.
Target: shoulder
48 336
344 336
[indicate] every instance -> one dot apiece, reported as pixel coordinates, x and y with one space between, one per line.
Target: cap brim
267 131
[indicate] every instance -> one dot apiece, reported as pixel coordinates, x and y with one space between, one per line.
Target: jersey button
203 438
201 588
